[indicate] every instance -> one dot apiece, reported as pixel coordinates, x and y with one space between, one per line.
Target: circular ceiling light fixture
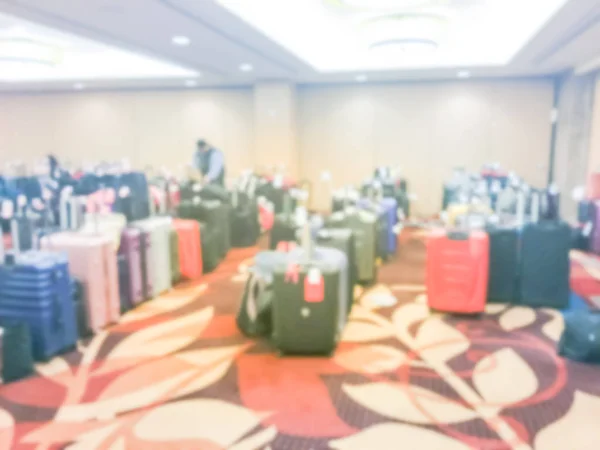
378 4
403 48
429 27
26 51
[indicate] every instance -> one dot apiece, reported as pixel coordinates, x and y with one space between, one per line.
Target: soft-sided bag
580 340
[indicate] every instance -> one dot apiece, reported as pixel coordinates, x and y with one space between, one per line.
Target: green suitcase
342 239
174 247
364 226
209 240
301 326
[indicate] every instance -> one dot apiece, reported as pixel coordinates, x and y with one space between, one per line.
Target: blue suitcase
36 290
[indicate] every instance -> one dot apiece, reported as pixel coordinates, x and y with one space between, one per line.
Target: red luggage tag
314 286
292 274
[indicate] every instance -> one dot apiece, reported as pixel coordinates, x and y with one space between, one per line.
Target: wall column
275 126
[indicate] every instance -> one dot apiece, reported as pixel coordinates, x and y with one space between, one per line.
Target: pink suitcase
130 247
93 261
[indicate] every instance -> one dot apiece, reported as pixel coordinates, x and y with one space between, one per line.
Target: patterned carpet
176 374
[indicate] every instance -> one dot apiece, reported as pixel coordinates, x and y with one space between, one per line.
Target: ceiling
304 41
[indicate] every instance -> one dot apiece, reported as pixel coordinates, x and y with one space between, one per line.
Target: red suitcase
190 248
457 271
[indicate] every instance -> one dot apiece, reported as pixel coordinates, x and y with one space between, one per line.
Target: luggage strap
285 246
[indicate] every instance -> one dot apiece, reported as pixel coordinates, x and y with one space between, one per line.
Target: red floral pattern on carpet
177 374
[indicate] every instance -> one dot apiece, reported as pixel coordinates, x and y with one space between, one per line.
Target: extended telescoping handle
306 240
521 204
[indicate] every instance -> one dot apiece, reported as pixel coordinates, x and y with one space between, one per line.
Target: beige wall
427 129
275 126
149 128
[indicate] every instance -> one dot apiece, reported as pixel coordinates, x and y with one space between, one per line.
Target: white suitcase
158 254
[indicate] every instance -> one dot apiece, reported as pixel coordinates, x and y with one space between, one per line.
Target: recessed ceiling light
191 83
34 53
463 74
246 67
79 86
361 78
181 41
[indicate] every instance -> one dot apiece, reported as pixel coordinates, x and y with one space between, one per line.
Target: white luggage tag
196 187
587 229
278 181
8 209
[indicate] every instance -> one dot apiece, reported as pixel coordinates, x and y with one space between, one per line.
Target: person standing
211 163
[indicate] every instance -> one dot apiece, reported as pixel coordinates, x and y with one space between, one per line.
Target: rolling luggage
245 227
580 340
157 255
504 263
17 358
309 307
132 282
388 211
35 289
136 206
92 260
285 225
190 249
545 266
83 329
174 256
212 213
342 239
364 228
586 211
210 242
457 271
595 236
550 204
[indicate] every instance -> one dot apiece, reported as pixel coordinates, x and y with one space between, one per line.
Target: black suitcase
17 356
245 226
586 211
83 328
342 239
504 264
210 243
124 288
545 265
284 229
